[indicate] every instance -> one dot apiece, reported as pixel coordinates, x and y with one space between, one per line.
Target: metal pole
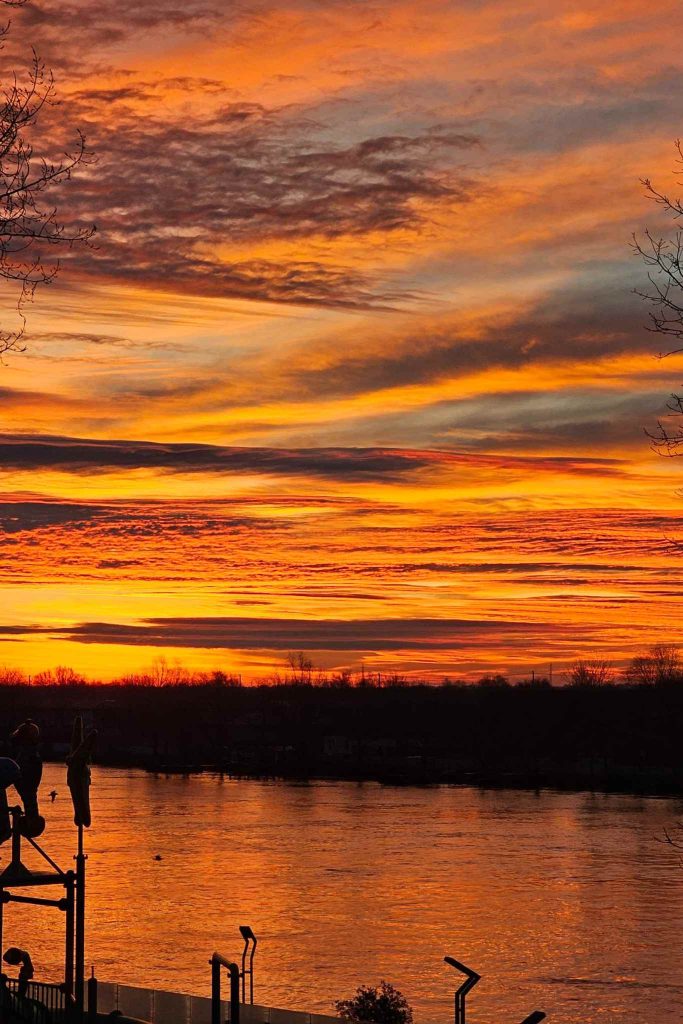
215 990
80 924
234 994
69 943
16 838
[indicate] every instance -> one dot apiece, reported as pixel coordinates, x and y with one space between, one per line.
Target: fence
52 999
159 1007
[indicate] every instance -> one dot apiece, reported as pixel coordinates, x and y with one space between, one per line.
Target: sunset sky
355 366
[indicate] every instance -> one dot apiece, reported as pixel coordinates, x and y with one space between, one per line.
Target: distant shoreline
611 739
642 785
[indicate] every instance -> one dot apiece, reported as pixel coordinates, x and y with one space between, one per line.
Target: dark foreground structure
617 737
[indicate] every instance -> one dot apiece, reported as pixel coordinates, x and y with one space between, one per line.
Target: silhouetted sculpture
25 745
24 771
78 772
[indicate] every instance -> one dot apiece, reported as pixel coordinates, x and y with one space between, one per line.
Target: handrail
217 961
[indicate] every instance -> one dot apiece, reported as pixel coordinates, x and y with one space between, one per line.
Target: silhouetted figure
53 795
20 958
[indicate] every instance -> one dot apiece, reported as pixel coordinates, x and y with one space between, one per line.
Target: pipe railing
217 963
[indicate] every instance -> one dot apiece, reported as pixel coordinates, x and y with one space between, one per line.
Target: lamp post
471 979
249 938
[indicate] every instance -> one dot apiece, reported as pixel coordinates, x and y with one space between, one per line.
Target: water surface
563 902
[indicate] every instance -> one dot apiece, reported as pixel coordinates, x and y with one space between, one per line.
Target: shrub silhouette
382 1005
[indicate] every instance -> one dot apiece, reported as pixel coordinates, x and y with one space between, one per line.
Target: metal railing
219 962
35 1001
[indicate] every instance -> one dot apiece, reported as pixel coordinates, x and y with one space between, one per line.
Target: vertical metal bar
234 994
2 915
80 925
244 969
215 990
69 941
16 838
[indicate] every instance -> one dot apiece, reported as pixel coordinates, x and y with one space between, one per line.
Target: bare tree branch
30 228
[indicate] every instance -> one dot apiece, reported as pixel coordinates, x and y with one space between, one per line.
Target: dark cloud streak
239 633
83 455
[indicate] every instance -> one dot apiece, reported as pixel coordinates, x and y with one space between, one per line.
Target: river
563 902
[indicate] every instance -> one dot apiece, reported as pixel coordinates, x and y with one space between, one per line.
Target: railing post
92 997
215 990
218 961
234 994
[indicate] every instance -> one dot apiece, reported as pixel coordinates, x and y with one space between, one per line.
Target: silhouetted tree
12 676
301 666
660 666
535 683
493 681
590 673
61 676
673 836
30 229
664 260
382 1005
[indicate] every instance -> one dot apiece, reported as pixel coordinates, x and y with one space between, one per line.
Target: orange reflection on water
563 902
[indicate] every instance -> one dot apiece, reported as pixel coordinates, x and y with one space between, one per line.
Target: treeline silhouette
661 665
596 731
